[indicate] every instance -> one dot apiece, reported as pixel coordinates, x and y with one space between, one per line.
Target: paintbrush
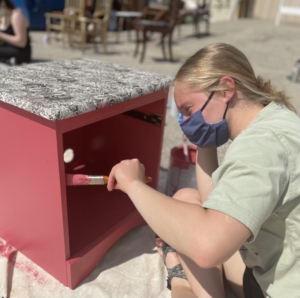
81 179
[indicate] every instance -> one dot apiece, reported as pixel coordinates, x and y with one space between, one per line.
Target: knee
188 195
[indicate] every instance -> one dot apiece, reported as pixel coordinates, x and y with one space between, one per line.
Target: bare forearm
207 163
174 221
194 231
13 40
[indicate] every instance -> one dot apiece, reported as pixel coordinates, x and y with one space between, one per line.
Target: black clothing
8 51
250 286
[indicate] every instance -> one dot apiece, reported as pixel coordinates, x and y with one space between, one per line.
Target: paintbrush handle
82 179
147 179
105 179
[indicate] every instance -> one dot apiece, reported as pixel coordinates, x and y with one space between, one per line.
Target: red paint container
182 171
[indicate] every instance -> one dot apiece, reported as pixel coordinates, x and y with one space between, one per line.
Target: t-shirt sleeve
252 180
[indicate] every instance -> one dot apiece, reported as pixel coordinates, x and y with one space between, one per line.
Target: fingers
111 183
123 173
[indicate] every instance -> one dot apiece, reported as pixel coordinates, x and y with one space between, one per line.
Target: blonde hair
205 69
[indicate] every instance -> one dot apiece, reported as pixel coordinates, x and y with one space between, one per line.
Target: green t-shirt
259 185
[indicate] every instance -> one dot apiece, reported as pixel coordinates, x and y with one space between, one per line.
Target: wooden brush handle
105 179
148 179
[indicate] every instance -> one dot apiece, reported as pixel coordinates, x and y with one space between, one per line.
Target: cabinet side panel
31 213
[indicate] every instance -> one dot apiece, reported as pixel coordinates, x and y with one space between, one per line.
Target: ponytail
271 94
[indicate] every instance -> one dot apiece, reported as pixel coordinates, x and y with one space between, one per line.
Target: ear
229 83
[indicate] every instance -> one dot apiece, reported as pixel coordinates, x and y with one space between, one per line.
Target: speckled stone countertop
62 89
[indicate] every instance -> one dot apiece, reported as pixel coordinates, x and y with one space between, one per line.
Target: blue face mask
203 134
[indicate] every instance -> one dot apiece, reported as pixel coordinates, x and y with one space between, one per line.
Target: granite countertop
62 89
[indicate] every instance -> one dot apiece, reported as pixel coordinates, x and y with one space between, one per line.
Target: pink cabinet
104 113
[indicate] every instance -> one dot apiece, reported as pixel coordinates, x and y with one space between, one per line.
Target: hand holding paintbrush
81 179
125 169
120 177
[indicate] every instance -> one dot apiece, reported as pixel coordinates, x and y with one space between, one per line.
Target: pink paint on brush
77 179
81 179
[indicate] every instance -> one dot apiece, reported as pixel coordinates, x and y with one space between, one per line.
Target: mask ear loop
207 101
225 111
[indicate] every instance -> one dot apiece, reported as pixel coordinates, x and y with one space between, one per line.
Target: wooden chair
61 21
200 13
125 16
163 21
95 26
290 8
154 12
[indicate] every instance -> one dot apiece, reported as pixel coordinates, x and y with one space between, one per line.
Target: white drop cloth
131 268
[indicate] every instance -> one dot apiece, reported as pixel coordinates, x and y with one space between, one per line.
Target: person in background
242 225
14 34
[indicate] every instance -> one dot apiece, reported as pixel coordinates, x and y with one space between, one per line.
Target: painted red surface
66 230
79 167
33 213
31 272
6 250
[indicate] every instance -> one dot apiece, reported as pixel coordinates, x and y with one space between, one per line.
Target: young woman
14 37
250 203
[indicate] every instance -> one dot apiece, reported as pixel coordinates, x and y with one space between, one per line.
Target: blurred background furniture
89 28
164 22
287 8
296 71
125 16
61 21
155 11
200 13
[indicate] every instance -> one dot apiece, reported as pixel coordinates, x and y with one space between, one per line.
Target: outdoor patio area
272 50
132 268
